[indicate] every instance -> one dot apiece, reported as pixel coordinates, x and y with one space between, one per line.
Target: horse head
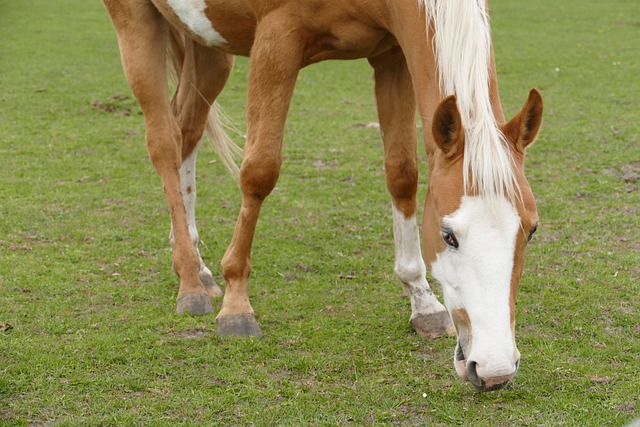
475 239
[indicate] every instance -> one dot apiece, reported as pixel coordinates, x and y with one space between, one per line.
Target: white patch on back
191 12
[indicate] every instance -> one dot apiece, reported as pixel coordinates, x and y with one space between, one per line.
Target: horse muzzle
484 377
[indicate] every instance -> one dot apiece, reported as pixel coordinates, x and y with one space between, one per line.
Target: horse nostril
459 354
480 384
472 374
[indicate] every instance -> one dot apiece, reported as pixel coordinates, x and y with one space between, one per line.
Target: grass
88 330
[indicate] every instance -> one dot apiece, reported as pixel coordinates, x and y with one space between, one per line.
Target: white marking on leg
188 180
191 12
410 267
188 183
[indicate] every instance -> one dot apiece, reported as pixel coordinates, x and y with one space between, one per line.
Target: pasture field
88 330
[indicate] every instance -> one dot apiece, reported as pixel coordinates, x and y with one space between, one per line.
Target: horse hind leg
396 111
188 185
202 73
143 37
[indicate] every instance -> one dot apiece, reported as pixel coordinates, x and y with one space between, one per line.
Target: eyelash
449 238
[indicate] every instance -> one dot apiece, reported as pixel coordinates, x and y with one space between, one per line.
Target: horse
434 58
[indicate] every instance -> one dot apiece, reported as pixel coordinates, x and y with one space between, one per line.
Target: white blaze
476 276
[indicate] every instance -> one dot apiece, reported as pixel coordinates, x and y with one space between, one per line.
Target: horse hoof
240 325
210 285
433 325
196 304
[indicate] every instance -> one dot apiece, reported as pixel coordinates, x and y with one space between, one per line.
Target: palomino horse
479 210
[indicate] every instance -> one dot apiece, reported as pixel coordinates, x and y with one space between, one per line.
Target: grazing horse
435 56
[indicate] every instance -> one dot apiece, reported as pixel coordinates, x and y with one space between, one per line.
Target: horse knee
410 271
258 176
402 179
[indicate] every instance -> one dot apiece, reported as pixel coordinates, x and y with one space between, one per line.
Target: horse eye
450 239
533 230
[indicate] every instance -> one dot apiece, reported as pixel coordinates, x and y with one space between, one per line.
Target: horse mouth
468 373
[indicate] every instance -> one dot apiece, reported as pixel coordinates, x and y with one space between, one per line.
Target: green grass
87 287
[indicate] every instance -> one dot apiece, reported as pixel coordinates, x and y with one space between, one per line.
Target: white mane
462 43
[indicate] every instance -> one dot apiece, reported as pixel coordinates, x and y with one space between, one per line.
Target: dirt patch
117 104
631 172
191 334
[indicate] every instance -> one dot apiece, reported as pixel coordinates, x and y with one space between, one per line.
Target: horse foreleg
396 110
274 65
143 36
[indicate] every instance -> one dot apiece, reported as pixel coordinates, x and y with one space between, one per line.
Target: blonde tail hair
229 152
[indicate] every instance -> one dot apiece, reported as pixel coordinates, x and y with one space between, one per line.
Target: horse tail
228 151
462 48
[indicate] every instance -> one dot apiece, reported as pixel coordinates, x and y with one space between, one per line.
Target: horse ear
523 129
447 127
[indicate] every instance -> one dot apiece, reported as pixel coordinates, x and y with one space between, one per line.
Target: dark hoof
210 285
196 304
240 325
434 325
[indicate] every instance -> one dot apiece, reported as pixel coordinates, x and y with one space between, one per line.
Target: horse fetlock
186 263
236 300
209 283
